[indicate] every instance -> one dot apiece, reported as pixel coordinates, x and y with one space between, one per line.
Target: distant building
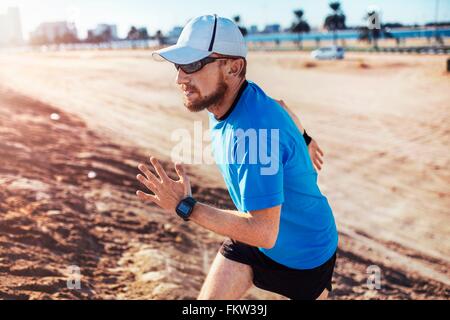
54 32
11 27
272 28
103 33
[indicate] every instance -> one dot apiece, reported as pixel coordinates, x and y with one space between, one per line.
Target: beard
203 102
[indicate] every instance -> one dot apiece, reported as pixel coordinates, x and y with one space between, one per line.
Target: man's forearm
234 224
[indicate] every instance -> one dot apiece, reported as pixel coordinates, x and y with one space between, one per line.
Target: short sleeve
259 170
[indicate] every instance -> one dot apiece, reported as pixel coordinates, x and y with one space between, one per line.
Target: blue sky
164 14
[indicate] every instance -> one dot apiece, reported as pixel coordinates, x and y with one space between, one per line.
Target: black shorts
269 275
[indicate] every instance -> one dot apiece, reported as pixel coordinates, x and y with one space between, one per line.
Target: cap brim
181 54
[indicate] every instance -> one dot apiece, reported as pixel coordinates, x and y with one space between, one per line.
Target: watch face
184 208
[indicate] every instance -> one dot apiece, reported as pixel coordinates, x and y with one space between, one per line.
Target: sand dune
381 119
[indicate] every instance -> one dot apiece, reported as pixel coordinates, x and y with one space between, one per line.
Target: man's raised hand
167 193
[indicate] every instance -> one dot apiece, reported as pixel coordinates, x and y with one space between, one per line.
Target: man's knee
227 279
323 295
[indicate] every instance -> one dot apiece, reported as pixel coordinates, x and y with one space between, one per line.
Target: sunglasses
198 65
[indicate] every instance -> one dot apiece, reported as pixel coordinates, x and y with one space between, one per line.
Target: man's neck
220 109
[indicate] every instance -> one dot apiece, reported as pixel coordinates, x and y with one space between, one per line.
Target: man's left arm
314 150
257 227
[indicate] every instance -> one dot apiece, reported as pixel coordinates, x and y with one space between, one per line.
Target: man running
282 237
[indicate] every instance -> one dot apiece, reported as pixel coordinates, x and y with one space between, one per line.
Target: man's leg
227 279
323 295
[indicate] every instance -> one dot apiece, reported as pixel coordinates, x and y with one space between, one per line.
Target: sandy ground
381 119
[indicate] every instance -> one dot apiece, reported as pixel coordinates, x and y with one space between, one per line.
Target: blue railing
346 34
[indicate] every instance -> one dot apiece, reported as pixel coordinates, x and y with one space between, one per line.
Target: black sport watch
185 207
307 138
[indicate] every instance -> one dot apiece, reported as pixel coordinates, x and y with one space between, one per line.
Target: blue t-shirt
264 161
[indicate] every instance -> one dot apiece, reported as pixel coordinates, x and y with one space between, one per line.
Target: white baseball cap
201 37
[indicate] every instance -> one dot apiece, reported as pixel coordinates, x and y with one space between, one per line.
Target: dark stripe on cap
213 35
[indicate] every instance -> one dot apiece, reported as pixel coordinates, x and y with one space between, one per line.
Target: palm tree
143 33
237 20
300 26
159 37
335 21
375 27
133 34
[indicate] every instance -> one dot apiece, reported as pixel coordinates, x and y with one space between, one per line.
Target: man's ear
236 67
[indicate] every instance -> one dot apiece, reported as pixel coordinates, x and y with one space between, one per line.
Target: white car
328 53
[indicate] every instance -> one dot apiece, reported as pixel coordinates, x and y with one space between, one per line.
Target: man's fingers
151 186
320 151
319 159
150 176
184 178
147 197
159 169
317 165
179 168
